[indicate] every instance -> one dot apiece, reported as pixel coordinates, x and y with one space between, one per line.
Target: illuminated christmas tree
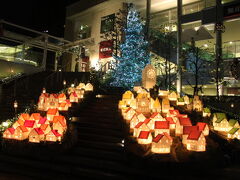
134 54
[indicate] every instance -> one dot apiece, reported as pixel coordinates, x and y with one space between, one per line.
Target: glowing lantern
220 122
42 102
197 104
234 133
51 113
186 131
36 135
133 104
19 122
165 105
71 90
45 128
173 96
8 133
80 93
136 119
68 103
206 112
161 127
157 117
180 102
162 143
204 128
121 105
163 93
196 141
29 124
89 87
21 133
145 137
24 116
62 98
53 136
143 103
59 123
129 114
81 86
186 100
63 106
141 126
73 97
35 116
156 106
172 123
42 120
180 123
127 97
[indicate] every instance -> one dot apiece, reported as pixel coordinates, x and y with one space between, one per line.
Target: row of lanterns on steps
53 125
157 124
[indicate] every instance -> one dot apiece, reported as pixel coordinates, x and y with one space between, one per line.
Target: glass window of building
84 32
107 23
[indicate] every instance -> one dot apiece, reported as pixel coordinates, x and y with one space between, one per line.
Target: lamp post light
44 90
72 85
15 105
64 84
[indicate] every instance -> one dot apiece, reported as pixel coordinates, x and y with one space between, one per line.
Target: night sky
40 15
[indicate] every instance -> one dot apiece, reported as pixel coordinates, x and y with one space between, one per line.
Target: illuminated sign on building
105 49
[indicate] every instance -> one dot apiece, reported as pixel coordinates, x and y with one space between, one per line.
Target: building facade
86 24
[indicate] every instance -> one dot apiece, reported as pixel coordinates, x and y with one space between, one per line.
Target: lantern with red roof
8 133
186 131
204 128
53 136
21 133
141 126
73 97
181 122
144 137
196 141
36 135
162 143
161 127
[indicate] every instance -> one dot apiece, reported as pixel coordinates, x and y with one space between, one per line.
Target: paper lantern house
62 98
196 141
45 128
73 97
181 122
51 113
141 126
157 117
42 120
233 123
161 127
9 133
206 112
53 136
162 143
220 122
133 104
89 87
180 101
71 90
121 104
145 137
136 119
36 135
21 133
80 93
173 96
19 122
52 102
234 133
204 128
143 103
197 104
156 107
35 117
59 124
30 124
42 102
68 103
163 93
165 105
186 99
186 131
129 114
81 86
127 97
63 106
24 116
172 123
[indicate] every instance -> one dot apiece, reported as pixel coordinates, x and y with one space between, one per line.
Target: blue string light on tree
134 54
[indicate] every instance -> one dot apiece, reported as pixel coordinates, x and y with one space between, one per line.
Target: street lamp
64 83
15 105
72 85
44 90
